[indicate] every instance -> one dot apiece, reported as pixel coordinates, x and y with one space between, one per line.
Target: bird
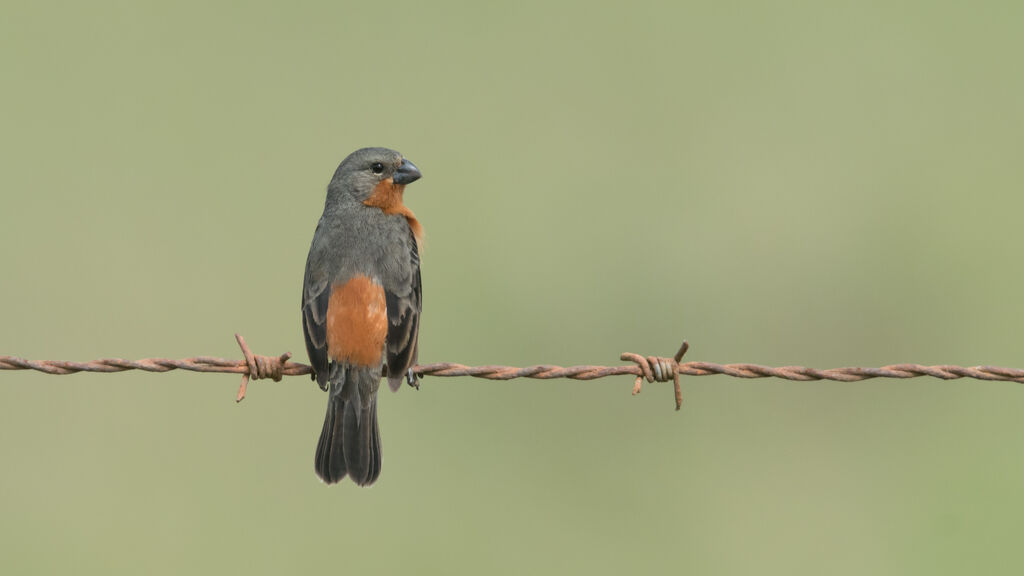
361 304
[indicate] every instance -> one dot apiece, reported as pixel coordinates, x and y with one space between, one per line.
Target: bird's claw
411 378
323 385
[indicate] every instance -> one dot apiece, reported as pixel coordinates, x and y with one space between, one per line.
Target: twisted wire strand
649 368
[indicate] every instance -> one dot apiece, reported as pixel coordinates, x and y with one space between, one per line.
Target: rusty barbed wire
649 368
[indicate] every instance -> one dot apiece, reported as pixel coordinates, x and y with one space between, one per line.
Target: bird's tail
350 440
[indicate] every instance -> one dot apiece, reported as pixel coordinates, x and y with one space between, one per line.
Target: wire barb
651 368
658 369
259 366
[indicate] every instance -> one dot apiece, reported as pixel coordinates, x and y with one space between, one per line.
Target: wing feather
404 322
315 297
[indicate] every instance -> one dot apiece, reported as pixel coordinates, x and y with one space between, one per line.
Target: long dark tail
350 440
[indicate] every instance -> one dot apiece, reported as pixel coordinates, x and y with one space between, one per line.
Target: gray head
360 173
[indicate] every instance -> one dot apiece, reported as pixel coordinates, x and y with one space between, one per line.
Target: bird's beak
407 173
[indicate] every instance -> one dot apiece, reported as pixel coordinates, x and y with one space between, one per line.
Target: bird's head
370 172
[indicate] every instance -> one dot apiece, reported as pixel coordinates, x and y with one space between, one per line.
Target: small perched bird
361 304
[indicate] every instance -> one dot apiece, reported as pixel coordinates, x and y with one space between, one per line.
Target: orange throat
388 197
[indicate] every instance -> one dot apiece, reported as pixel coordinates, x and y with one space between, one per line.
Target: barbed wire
649 368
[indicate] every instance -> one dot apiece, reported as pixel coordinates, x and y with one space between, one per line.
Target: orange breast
357 322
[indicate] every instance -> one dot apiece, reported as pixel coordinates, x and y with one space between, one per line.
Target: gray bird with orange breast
361 303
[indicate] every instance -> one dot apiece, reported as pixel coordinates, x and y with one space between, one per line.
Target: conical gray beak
407 173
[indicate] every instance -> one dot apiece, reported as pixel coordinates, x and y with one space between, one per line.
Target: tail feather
361 441
350 440
374 470
330 461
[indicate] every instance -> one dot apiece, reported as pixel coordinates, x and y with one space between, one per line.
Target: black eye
377 168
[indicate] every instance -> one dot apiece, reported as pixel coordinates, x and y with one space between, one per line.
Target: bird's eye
377 168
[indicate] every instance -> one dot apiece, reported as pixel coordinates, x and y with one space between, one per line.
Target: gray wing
404 321
315 297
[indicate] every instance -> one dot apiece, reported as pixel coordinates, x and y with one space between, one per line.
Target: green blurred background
797 183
